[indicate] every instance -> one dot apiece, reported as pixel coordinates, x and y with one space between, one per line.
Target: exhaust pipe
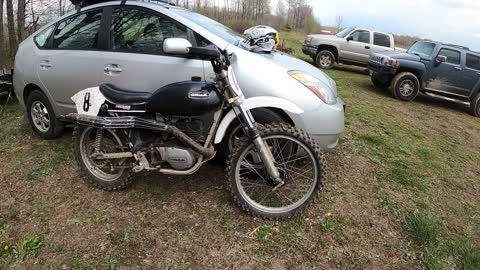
132 122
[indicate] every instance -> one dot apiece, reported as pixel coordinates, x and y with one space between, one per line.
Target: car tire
325 60
261 115
405 86
41 116
475 106
379 84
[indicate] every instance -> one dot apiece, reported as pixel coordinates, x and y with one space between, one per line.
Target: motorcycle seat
122 96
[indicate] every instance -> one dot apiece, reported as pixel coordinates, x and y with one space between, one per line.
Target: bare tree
20 20
281 11
2 42
338 22
11 28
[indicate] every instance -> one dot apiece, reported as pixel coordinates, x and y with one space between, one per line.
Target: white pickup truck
351 46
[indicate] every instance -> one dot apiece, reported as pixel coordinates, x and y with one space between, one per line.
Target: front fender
252 103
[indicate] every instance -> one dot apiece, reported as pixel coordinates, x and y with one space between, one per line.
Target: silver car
121 44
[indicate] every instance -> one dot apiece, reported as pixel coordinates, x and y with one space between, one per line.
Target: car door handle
458 68
367 47
45 64
478 73
112 69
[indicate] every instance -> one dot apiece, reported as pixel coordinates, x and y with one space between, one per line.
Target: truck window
473 61
453 57
361 36
381 40
421 48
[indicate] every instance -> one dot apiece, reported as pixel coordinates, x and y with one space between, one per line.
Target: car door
72 61
447 77
381 43
357 48
471 74
135 60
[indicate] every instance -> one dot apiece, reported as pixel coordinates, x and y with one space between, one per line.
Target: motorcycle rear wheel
301 165
100 173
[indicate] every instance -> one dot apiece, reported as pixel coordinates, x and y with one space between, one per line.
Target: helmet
260 38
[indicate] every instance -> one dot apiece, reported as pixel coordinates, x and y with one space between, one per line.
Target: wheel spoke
294 161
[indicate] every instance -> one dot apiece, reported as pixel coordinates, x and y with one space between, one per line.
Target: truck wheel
405 86
325 60
41 116
379 84
475 106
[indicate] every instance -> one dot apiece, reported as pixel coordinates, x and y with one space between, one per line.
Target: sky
449 21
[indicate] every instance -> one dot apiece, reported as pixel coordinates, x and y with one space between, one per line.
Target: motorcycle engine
179 158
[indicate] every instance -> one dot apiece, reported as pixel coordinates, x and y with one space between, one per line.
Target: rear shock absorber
98 140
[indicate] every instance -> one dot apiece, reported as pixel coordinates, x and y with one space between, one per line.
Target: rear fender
252 103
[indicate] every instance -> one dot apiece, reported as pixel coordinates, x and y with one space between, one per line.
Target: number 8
86 102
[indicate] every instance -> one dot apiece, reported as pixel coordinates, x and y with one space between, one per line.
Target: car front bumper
381 72
309 50
381 69
325 124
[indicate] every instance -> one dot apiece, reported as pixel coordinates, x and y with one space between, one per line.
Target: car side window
42 38
79 32
381 40
453 57
139 31
473 61
361 36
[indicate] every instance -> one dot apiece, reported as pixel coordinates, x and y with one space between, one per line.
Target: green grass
467 254
422 228
29 246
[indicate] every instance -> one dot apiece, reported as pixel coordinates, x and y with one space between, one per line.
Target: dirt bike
274 172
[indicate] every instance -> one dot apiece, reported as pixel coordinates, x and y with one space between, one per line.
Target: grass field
402 193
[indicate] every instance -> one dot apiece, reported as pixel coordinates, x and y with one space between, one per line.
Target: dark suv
434 68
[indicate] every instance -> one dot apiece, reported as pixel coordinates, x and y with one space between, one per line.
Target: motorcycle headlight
317 87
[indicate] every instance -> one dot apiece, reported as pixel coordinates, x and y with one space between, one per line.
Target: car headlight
315 85
391 62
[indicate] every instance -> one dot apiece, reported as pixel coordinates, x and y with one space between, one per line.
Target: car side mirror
176 46
350 38
441 59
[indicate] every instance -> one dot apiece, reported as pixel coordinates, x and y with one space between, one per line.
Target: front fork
262 148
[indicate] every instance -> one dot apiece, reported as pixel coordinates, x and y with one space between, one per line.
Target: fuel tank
189 98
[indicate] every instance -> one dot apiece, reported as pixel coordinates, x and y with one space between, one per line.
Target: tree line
20 18
287 15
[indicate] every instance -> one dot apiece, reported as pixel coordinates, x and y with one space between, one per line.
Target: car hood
318 36
400 56
292 63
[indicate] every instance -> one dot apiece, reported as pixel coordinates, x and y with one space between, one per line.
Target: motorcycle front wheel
300 162
105 174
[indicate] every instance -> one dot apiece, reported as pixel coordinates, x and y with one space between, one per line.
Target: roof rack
84 3
161 1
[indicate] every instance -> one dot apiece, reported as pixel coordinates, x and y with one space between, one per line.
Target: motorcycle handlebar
204 53
219 58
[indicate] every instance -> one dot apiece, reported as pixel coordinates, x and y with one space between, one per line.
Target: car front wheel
41 116
235 131
405 86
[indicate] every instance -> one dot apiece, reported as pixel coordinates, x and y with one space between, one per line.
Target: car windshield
422 49
344 32
213 26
